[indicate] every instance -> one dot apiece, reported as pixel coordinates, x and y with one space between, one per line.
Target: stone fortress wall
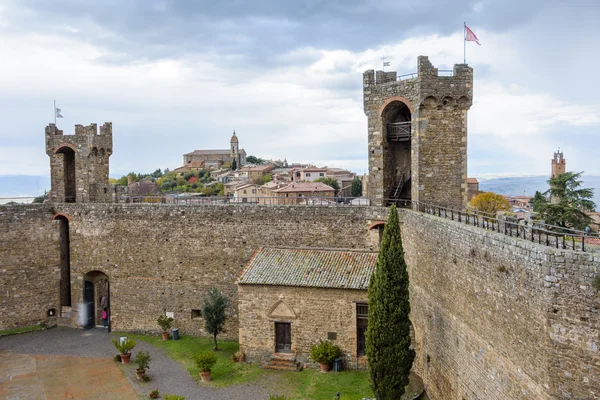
495 317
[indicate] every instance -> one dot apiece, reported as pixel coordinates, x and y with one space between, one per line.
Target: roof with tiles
305 187
334 269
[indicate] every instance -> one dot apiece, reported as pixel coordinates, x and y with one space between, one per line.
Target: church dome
234 138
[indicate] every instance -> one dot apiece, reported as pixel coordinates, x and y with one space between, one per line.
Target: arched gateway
96 297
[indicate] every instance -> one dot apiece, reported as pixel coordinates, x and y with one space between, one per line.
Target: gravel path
167 375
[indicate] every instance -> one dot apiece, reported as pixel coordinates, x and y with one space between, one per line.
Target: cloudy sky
174 76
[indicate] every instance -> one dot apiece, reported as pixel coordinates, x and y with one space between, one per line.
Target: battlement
425 71
91 129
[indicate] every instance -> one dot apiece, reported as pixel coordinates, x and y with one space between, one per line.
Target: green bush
205 360
597 283
173 397
126 347
117 358
325 352
165 323
142 359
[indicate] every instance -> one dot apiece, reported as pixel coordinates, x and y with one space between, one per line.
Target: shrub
126 347
154 394
597 283
325 352
205 360
142 359
117 358
165 323
173 397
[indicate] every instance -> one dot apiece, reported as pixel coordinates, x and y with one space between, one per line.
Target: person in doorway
105 317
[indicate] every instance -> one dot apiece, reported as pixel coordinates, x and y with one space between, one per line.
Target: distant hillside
527 185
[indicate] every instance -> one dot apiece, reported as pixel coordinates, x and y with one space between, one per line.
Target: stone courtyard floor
65 363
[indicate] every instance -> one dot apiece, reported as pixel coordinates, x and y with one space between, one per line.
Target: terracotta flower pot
205 375
234 359
140 373
242 358
166 335
125 358
324 367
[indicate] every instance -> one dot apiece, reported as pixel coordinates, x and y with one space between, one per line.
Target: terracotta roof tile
344 269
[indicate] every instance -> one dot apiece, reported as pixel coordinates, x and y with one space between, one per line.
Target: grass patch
225 372
24 329
309 384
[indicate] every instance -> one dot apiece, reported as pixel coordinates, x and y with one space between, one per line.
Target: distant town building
559 164
215 158
472 188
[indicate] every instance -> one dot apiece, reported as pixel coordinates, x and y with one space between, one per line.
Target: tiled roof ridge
319 249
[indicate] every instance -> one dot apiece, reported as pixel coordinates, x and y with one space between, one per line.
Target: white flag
386 63
57 112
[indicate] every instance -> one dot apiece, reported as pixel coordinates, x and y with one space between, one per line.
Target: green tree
537 201
356 187
40 199
213 310
234 165
330 182
157 174
388 349
568 202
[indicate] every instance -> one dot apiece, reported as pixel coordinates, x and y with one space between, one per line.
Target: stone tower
79 164
559 165
235 150
418 134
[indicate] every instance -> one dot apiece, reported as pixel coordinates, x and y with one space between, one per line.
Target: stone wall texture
79 164
317 312
495 317
498 317
438 106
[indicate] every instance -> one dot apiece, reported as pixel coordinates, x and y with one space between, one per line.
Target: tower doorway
96 297
70 186
397 161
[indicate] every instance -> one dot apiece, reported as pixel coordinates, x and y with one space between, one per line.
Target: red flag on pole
470 36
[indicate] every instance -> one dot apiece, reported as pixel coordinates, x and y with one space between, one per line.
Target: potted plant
324 353
234 358
154 394
165 324
142 359
124 349
241 356
205 361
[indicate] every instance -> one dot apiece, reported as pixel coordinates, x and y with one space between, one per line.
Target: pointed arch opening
69 179
397 162
65 263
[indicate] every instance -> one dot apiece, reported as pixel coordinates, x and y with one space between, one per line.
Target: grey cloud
260 30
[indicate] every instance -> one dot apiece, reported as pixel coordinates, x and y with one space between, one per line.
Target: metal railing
445 72
399 131
407 76
541 233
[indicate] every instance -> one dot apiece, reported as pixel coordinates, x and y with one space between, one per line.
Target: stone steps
282 363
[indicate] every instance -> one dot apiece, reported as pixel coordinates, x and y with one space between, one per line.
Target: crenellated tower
418 134
79 164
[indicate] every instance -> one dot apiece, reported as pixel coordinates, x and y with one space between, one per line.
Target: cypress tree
388 349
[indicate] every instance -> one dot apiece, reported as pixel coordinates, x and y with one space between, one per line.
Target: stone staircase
283 362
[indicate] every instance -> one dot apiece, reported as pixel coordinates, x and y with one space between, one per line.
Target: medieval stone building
79 164
215 158
418 134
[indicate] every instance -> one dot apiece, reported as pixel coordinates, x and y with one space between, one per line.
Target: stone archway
96 297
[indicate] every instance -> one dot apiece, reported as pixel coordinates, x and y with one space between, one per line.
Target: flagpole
54 114
465 42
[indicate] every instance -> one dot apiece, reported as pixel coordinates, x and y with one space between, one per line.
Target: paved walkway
80 346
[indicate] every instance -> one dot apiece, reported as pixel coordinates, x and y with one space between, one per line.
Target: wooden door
283 337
